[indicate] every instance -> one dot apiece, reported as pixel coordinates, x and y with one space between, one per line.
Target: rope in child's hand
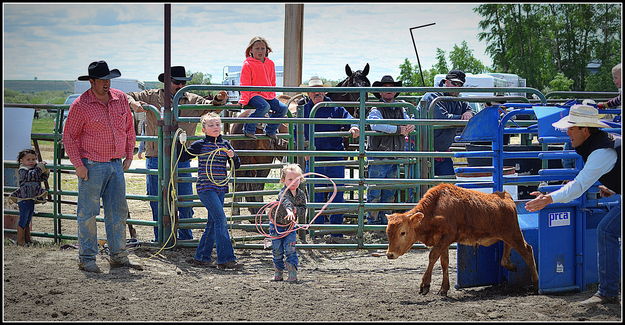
272 208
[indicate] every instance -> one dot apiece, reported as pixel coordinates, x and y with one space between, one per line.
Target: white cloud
58 41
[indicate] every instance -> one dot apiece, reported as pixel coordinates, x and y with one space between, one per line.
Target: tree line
549 45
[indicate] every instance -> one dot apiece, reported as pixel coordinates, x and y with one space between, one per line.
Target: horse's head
356 78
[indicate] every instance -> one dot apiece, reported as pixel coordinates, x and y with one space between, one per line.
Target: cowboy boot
27 235
20 236
277 274
292 276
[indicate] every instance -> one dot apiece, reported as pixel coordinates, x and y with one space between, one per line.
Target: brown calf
447 214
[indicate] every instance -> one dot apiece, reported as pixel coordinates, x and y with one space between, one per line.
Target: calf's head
401 232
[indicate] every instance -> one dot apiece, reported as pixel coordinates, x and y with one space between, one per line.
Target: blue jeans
153 188
380 196
106 181
322 197
263 106
443 166
27 209
283 248
216 231
608 252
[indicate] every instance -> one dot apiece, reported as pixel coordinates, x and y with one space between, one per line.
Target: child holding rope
212 185
259 70
31 174
291 207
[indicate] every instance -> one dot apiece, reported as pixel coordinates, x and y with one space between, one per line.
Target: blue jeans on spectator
106 181
27 209
153 188
380 196
216 231
283 248
323 197
608 251
274 106
443 166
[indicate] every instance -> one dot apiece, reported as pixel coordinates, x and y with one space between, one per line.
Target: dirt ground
42 283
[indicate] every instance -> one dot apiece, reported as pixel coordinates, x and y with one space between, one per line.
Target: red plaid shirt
97 131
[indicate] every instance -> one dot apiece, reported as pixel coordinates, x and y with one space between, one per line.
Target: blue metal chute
480 127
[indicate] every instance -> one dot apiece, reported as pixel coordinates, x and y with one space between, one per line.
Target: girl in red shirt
259 70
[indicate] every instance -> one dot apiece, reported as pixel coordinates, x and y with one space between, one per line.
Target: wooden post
293 45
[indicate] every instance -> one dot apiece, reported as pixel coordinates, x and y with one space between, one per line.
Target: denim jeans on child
27 209
609 251
380 196
153 188
283 248
105 180
323 197
262 107
216 231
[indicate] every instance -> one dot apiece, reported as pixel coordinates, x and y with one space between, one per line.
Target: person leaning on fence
98 134
393 139
616 101
213 153
292 207
259 70
327 144
30 175
601 153
156 98
449 110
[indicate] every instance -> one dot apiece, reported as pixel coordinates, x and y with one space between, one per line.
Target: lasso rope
272 208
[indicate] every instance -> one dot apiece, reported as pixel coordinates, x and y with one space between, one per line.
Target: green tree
462 58
200 78
536 41
441 63
559 83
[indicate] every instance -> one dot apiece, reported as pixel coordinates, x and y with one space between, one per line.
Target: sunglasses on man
457 83
179 82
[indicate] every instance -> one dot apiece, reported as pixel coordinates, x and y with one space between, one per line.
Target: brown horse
261 145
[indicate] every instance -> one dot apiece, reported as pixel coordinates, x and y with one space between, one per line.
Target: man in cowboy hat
392 138
327 144
600 152
98 134
450 110
156 98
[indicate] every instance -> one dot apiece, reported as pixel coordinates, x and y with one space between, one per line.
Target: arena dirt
43 283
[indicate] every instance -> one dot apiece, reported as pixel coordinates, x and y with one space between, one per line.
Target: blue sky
54 41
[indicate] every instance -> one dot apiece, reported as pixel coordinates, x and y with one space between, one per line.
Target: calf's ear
416 218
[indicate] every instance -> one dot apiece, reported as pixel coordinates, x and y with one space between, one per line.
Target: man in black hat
156 98
391 138
451 110
98 134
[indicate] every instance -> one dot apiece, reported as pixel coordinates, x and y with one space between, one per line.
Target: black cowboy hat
386 80
100 70
177 73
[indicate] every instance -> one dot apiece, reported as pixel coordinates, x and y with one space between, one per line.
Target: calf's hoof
424 290
442 292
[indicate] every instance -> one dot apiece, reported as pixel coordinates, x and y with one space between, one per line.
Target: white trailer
124 84
232 77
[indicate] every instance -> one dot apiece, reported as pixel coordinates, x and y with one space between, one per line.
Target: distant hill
35 86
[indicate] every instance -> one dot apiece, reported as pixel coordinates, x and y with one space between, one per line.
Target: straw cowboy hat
314 82
580 115
100 70
177 73
386 80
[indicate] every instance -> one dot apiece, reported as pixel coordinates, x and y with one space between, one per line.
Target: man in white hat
602 162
